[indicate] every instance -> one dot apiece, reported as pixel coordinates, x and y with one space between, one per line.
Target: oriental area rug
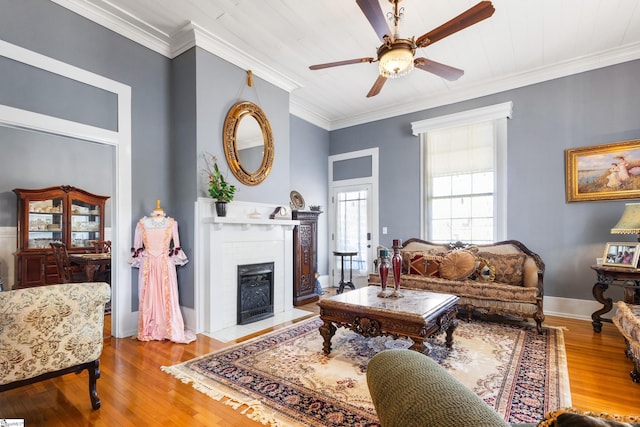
284 379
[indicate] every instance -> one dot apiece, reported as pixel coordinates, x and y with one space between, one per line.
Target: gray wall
309 177
51 30
592 108
35 160
200 103
183 150
221 85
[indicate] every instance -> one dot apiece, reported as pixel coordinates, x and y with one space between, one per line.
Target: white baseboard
324 280
572 308
189 318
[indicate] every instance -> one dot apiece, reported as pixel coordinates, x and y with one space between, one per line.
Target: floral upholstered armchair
49 331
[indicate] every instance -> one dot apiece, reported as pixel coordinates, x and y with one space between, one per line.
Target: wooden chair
66 274
102 246
104 272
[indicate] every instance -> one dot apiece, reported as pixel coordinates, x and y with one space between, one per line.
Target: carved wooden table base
628 279
419 315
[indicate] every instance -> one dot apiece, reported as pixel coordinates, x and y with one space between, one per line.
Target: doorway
123 319
353 214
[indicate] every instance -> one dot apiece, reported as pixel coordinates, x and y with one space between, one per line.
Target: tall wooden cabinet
66 214
305 258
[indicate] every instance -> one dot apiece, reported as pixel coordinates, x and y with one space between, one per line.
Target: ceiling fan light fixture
396 58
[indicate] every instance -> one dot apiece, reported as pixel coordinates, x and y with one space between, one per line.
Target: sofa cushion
493 291
408 255
509 268
484 271
425 265
457 264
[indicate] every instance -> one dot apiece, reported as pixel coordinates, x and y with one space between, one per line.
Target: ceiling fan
396 55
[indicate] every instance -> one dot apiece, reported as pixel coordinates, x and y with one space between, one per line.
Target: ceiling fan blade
375 16
477 13
377 86
444 71
338 63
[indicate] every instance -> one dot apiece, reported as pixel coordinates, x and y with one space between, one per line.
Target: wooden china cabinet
55 214
305 258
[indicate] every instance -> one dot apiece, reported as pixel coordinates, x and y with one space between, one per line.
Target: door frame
372 180
123 319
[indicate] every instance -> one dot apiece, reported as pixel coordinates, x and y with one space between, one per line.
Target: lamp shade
629 222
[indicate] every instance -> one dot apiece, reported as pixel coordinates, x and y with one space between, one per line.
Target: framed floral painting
603 172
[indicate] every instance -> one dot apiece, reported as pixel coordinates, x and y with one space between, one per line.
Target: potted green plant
219 188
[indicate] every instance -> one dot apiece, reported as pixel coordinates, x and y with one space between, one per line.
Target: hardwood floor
134 391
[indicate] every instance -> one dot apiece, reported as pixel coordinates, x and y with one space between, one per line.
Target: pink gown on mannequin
159 309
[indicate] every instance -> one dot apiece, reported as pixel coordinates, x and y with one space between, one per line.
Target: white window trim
491 112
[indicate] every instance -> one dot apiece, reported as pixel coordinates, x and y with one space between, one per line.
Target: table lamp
629 222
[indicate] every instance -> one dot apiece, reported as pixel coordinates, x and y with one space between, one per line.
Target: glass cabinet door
85 224
45 222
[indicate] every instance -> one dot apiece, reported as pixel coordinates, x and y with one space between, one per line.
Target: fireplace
246 236
255 292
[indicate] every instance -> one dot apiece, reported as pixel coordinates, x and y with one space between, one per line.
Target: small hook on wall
249 78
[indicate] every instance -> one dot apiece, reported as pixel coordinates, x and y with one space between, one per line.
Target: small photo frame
621 254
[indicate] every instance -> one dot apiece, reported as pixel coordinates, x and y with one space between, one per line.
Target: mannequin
156 252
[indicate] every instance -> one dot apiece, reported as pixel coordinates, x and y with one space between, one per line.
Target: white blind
463 149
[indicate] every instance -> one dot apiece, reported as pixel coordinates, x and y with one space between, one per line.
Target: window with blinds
460 182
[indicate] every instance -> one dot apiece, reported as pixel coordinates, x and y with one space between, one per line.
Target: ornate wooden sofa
48 331
503 278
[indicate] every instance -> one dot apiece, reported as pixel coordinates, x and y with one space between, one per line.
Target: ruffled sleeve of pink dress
156 257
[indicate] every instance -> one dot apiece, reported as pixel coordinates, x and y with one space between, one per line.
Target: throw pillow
484 272
571 417
509 268
425 265
407 256
457 264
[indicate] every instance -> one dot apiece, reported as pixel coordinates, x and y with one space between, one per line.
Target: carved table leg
598 294
418 345
453 324
327 330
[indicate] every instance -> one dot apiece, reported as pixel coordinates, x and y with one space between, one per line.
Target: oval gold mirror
248 143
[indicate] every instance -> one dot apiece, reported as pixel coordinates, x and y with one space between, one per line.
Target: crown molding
115 19
170 45
486 87
193 34
301 110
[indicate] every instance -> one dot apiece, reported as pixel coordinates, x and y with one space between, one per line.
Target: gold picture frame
621 254
603 172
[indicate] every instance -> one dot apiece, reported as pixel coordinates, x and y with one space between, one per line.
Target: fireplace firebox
255 292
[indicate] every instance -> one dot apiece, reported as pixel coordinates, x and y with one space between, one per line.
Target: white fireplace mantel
245 236
247 223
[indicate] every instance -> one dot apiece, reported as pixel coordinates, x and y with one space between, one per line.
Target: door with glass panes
352 219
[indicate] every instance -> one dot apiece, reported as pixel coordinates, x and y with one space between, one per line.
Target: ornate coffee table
418 315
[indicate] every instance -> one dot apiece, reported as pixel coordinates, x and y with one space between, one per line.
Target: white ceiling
524 42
